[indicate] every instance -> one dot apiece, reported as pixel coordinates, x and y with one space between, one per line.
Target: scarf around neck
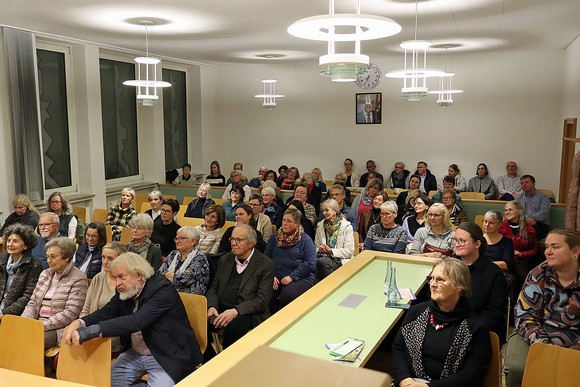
286 241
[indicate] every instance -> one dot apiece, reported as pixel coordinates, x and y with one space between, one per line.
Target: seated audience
314 193
442 342
120 214
523 237
371 170
457 214
48 229
334 240
237 179
318 181
301 194
270 207
237 195
482 183
386 235
294 256
24 213
19 270
238 167
340 179
304 221
548 308
436 238
352 178
196 208
490 291
337 192
364 201
508 185
399 177
500 249
215 177
59 205
210 233
272 184
371 217
185 178
411 224
186 267
148 315
256 182
448 183
460 183
244 215
60 292
402 200
241 291
155 199
263 222
87 258
141 229
282 173
536 206
428 180
288 182
270 175
165 227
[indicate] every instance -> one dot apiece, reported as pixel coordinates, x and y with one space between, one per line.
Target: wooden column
569 141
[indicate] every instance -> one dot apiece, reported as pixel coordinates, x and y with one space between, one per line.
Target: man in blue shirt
536 206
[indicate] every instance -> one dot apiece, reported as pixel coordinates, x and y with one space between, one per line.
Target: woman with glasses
186 267
141 228
270 207
58 204
436 238
489 286
411 224
371 217
442 342
386 235
457 214
244 215
165 227
500 249
364 201
88 255
263 222
291 177
294 257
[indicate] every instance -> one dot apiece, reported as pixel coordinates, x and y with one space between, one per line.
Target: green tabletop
370 321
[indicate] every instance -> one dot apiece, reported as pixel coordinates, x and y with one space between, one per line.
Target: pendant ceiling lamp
445 92
416 72
146 82
269 83
344 27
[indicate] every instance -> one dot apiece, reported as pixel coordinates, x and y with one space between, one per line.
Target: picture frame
368 108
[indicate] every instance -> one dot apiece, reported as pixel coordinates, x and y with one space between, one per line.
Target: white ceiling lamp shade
415 71
146 82
269 84
445 92
343 27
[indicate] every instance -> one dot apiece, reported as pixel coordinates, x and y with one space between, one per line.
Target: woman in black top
196 208
244 214
215 176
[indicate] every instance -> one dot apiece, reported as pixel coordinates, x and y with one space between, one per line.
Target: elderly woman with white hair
187 267
387 236
334 240
155 199
237 179
120 214
196 208
141 229
270 207
436 238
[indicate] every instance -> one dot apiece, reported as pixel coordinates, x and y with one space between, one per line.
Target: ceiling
235 31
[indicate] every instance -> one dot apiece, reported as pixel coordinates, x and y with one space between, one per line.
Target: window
175 118
119 115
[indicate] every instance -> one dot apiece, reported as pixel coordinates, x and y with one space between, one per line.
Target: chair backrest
390 192
472 195
174 197
479 220
548 192
126 236
140 198
144 207
89 363
109 231
196 308
356 243
431 193
493 377
81 213
181 214
219 201
22 344
188 199
191 222
99 215
551 365
228 224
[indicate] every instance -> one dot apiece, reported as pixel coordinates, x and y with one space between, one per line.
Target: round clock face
371 79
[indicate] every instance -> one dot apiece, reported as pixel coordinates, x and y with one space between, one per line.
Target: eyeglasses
387 213
438 280
177 239
459 242
166 211
41 225
254 204
447 197
55 201
237 240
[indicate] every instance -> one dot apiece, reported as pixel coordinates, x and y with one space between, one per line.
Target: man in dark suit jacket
240 293
368 115
148 315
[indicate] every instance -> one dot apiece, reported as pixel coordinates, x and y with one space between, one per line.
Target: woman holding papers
441 343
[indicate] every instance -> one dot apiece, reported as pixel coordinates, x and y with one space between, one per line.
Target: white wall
511 109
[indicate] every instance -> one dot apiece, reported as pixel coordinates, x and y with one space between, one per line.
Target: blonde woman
120 214
318 181
436 238
24 213
196 208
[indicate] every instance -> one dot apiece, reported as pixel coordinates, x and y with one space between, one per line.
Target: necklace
437 327
375 218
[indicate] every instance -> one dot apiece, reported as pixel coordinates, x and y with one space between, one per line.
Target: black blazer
23 284
162 320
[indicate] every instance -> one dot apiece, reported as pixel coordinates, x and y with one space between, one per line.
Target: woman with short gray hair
141 228
387 235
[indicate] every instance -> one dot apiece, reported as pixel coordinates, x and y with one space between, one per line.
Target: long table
314 319
9 378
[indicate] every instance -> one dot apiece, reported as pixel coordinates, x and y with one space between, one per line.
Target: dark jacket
162 320
430 181
22 285
29 218
94 266
255 290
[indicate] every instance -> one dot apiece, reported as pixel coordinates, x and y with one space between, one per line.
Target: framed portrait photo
368 108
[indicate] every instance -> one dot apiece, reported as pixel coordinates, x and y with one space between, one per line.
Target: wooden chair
390 192
219 201
472 195
356 243
493 377
431 193
548 192
89 363
191 222
196 308
140 198
188 199
174 197
228 224
126 236
100 215
181 213
81 213
144 207
550 365
22 344
479 220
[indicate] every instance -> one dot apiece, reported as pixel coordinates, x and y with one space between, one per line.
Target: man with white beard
48 225
147 313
